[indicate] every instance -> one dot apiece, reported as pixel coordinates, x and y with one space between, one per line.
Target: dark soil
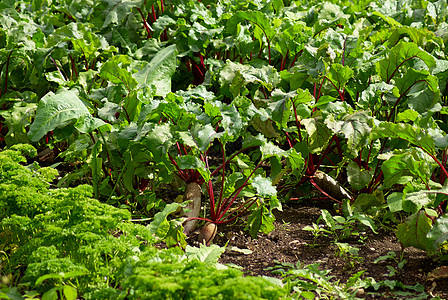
288 243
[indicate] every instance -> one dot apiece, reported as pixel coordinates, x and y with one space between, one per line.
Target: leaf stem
145 24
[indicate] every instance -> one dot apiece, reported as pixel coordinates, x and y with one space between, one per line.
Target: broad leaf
262 220
210 254
398 55
358 178
56 111
159 70
204 135
264 186
160 225
401 166
414 230
355 127
339 75
405 132
118 71
439 232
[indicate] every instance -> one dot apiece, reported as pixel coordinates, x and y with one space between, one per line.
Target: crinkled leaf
210 254
420 199
399 54
160 225
87 124
413 232
354 127
439 232
204 135
318 133
56 110
159 70
117 70
339 75
261 219
280 107
358 178
159 140
264 186
257 18
411 163
118 10
189 162
406 132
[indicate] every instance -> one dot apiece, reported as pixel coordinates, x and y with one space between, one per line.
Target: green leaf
420 199
159 140
367 221
414 230
51 294
56 111
339 75
261 219
160 225
189 162
439 232
87 124
408 115
328 218
255 17
356 177
398 55
402 167
209 255
118 10
407 132
280 107
159 70
355 127
318 133
17 119
264 186
395 202
48 276
204 135
117 70
69 292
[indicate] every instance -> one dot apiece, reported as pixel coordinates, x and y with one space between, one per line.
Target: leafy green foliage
251 99
68 244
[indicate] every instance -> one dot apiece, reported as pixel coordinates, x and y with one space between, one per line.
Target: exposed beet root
207 233
193 208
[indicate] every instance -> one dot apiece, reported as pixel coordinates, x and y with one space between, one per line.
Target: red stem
437 161
297 121
246 207
145 24
223 175
154 13
73 66
295 58
235 195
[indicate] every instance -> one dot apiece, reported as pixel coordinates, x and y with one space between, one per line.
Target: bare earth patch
289 243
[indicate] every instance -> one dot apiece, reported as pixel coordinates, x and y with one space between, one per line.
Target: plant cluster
61 243
248 101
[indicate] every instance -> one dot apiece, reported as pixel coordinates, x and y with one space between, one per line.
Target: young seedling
317 231
392 256
349 253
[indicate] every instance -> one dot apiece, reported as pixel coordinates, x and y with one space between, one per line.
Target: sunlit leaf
414 230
